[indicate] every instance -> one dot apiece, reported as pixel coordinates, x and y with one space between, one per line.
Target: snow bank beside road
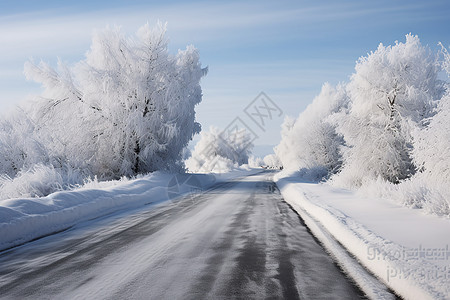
406 249
22 220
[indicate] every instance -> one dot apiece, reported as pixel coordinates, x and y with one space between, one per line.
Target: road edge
364 278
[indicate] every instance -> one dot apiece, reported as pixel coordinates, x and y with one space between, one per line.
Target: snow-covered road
239 240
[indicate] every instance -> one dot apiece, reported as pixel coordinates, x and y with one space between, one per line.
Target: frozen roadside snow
23 220
404 248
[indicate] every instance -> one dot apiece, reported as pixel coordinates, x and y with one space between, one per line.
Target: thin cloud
234 29
46 32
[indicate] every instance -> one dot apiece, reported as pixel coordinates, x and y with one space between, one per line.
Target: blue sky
287 49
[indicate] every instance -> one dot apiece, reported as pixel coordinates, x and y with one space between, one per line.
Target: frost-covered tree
127 108
255 162
311 141
432 143
445 63
217 151
27 168
392 91
272 161
285 149
20 147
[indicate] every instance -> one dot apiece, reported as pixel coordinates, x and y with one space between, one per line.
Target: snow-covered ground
405 248
23 220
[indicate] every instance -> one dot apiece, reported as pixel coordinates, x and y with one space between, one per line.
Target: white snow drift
24 219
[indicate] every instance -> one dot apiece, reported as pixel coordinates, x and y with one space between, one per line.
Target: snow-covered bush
272 161
311 141
21 145
128 108
38 181
220 152
392 92
255 162
417 192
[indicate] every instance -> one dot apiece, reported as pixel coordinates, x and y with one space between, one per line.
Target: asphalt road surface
237 240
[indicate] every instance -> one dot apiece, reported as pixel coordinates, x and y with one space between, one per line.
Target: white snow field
405 248
23 220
